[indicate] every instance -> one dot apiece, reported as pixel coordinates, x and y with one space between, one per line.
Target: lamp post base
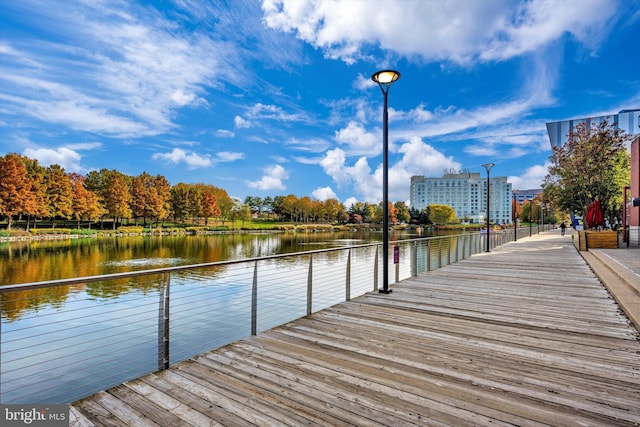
382 291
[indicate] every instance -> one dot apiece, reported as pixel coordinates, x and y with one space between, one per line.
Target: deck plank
524 335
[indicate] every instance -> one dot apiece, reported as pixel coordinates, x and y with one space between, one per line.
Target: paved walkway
524 335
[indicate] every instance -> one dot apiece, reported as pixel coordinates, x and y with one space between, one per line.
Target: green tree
442 214
402 212
180 200
393 215
592 165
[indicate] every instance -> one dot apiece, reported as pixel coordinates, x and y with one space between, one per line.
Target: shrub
49 231
130 229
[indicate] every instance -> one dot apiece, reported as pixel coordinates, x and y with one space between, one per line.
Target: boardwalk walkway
525 335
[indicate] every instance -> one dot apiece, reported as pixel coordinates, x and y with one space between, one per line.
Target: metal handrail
352 268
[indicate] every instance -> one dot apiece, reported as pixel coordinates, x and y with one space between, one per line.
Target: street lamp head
384 78
488 166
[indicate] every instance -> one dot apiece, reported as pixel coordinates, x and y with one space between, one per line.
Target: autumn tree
335 211
592 165
85 203
209 204
117 196
162 205
379 213
59 196
35 177
15 188
225 203
442 214
150 197
402 212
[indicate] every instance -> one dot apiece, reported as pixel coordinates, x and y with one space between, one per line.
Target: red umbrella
595 215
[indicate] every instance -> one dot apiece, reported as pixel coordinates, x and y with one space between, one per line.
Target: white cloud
222 133
66 158
313 145
454 30
229 156
417 158
85 145
531 178
178 156
271 180
324 193
358 140
240 123
131 69
272 112
350 202
181 98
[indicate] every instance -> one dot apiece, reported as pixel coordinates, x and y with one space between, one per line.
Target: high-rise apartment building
466 193
627 120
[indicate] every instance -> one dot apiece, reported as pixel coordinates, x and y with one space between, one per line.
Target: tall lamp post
487 167
514 212
384 79
530 215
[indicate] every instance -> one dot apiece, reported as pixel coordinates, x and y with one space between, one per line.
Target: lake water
34 261
61 344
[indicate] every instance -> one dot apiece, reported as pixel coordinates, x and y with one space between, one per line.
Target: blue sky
267 98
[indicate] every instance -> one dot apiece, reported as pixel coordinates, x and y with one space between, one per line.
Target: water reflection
33 261
63 343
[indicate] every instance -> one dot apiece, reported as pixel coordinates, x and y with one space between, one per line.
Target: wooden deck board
525 335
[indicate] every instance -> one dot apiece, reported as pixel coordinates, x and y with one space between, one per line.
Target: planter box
585 240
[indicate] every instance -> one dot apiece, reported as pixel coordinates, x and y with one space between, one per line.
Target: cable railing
63 340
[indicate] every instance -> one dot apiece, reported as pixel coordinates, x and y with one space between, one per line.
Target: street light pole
384 79
530 215
515 216
487 167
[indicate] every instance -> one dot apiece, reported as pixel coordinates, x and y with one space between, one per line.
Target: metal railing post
414 259
440 253
347 295
254 300
310 286
163 322
450 251
397 264
375 271
464 246
429 255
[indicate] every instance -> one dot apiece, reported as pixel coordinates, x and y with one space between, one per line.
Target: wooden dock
525 335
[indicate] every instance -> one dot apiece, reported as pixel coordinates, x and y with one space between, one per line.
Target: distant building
627 120
466 193
523 195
